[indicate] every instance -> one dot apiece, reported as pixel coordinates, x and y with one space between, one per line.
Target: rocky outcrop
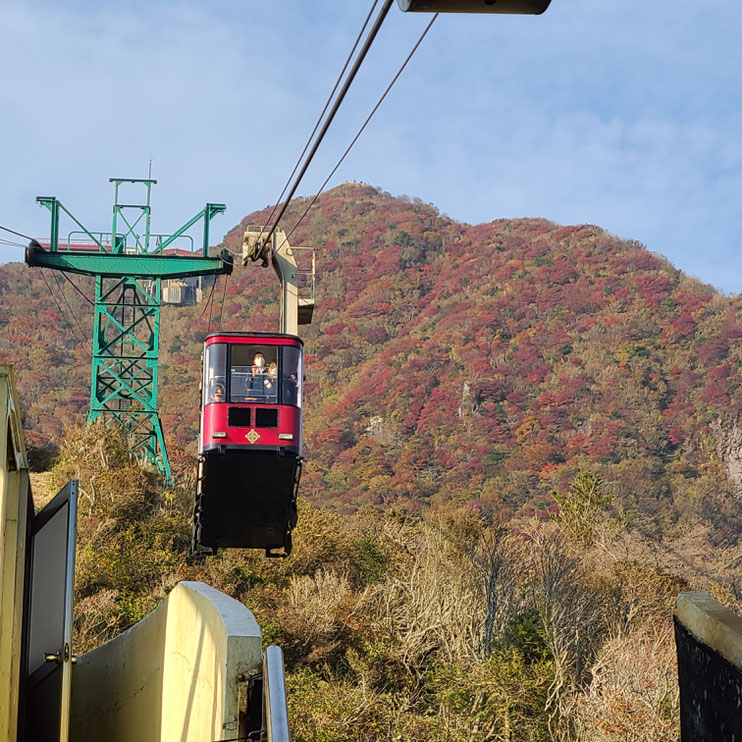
729 449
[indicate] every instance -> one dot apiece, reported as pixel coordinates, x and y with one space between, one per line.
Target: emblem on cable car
252 436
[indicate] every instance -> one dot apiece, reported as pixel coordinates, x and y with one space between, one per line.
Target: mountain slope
482 364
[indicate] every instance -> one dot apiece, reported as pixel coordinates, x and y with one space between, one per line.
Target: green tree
581 507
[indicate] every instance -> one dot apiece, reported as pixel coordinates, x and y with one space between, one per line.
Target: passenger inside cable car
253 374
250 441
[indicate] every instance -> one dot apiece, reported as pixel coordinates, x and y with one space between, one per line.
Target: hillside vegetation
444 626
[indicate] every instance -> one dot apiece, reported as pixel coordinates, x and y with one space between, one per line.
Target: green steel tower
129 263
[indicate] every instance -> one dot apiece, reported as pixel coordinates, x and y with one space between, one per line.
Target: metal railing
275 711
104 241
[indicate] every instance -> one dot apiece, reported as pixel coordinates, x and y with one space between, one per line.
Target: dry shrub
43 486
568 602
321 540
634 694
127 493
96 618
498 560
86 450
727 596
430 601
335 710
644 596
314 607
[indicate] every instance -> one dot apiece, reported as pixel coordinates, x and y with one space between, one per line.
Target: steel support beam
117 264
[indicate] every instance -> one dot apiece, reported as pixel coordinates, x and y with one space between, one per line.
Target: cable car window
253 374
215 368
292 375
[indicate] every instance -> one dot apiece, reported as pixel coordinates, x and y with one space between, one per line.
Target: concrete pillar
709 645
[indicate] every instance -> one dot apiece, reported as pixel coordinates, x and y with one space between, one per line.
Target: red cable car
249 442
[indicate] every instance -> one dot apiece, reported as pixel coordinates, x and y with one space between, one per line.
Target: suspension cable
208 300
79 290
59 286
74 316
62 313
211 309
324 110
17 234
224 294
365 123
10 243
336 105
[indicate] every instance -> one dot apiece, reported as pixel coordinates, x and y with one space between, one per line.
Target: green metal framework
129 263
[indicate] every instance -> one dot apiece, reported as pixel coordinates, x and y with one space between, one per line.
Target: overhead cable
74 316
79 290
211 294
321 116
62 312
211 309
224 294
336 105
365 123
17 234
10 243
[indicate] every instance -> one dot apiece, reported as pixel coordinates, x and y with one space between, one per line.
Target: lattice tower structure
129 264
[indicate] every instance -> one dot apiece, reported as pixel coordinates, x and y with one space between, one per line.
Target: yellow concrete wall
14 505
175 676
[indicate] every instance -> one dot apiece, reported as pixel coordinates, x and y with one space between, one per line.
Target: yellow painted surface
175 676
14 499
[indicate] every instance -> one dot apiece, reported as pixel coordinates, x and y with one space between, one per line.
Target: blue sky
622 114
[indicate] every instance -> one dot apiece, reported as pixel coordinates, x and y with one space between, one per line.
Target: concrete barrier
709 644
179 675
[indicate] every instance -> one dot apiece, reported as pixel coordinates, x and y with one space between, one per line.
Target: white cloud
621 114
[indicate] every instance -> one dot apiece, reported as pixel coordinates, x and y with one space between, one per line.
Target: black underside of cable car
246 499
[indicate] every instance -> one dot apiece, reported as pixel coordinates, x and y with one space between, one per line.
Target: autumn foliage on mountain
478 364
522 441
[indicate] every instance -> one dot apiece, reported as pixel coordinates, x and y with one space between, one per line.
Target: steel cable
211 294
63 315
17 234
10 243
336 105
211 309
365 123
224 294
79 290
74 316
324 110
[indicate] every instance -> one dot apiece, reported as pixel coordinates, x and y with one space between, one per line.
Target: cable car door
47 661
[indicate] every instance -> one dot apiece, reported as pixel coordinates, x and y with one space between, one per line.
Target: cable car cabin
249 442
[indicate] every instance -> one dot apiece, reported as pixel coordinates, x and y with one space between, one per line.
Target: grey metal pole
276 713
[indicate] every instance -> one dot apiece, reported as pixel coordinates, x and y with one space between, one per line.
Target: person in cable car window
271 379
217 392
257 381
